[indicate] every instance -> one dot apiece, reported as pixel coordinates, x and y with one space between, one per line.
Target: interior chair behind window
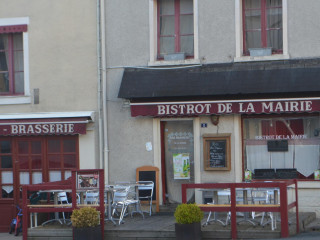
145 189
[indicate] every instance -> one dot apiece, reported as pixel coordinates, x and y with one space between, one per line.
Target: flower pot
88 233
190 231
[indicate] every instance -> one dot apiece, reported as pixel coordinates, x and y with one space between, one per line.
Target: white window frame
4 100
239 36
153 37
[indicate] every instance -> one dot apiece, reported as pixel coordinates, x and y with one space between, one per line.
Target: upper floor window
11 60
175 27
262 25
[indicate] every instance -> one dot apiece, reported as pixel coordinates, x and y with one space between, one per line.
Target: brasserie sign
28 129
225 107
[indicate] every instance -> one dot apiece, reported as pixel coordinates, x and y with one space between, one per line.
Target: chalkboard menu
217 153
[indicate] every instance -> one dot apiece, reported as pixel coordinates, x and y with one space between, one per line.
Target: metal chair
121 201
145 189
92 197
63 199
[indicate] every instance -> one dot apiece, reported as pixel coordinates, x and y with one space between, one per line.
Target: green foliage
85 217
188 213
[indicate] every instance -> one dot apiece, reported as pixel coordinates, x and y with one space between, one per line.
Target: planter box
90 233
257 52
175 56
190 231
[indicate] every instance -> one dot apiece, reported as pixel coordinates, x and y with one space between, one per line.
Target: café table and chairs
245 196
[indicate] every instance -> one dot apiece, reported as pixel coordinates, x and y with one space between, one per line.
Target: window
300 134
12 60
262 25
175 27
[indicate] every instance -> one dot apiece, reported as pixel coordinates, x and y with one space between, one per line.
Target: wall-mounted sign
42 129
225 107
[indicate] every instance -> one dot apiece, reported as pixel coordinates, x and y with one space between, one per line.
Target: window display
279 142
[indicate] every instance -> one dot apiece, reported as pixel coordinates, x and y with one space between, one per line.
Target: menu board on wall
217 153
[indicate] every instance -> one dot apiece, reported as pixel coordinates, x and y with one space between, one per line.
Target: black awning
277 78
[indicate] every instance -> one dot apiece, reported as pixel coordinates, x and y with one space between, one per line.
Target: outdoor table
109 190
216 192
55 201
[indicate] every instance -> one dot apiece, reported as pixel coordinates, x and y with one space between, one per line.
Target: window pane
274 18
7 177
186 6
253 20
23 147
7 192
67 174
3 61
36 177
274 3
5 146
69 145
186 24
24 178
69 161
54 176
274 39
54 146
253 39
187 45
54 161
166 7
36 162
252 4
166 45
23 163
4 82
167 25
6 162
36 147
19 82
18 60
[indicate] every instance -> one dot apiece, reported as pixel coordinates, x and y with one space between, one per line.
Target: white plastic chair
145 189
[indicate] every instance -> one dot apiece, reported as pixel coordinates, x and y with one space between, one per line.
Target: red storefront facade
36 150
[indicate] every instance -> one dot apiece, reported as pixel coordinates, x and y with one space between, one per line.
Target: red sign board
225 107
54 128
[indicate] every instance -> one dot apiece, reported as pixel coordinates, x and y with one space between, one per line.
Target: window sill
5 100
261 58
172 63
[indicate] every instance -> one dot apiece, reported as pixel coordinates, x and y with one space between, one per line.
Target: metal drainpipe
103 121
104 102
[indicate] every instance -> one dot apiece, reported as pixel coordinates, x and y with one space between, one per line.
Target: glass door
178 158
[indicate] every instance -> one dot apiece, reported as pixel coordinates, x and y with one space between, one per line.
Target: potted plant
188 221
86 224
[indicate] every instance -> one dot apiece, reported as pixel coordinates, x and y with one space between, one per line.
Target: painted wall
62 53
62 38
